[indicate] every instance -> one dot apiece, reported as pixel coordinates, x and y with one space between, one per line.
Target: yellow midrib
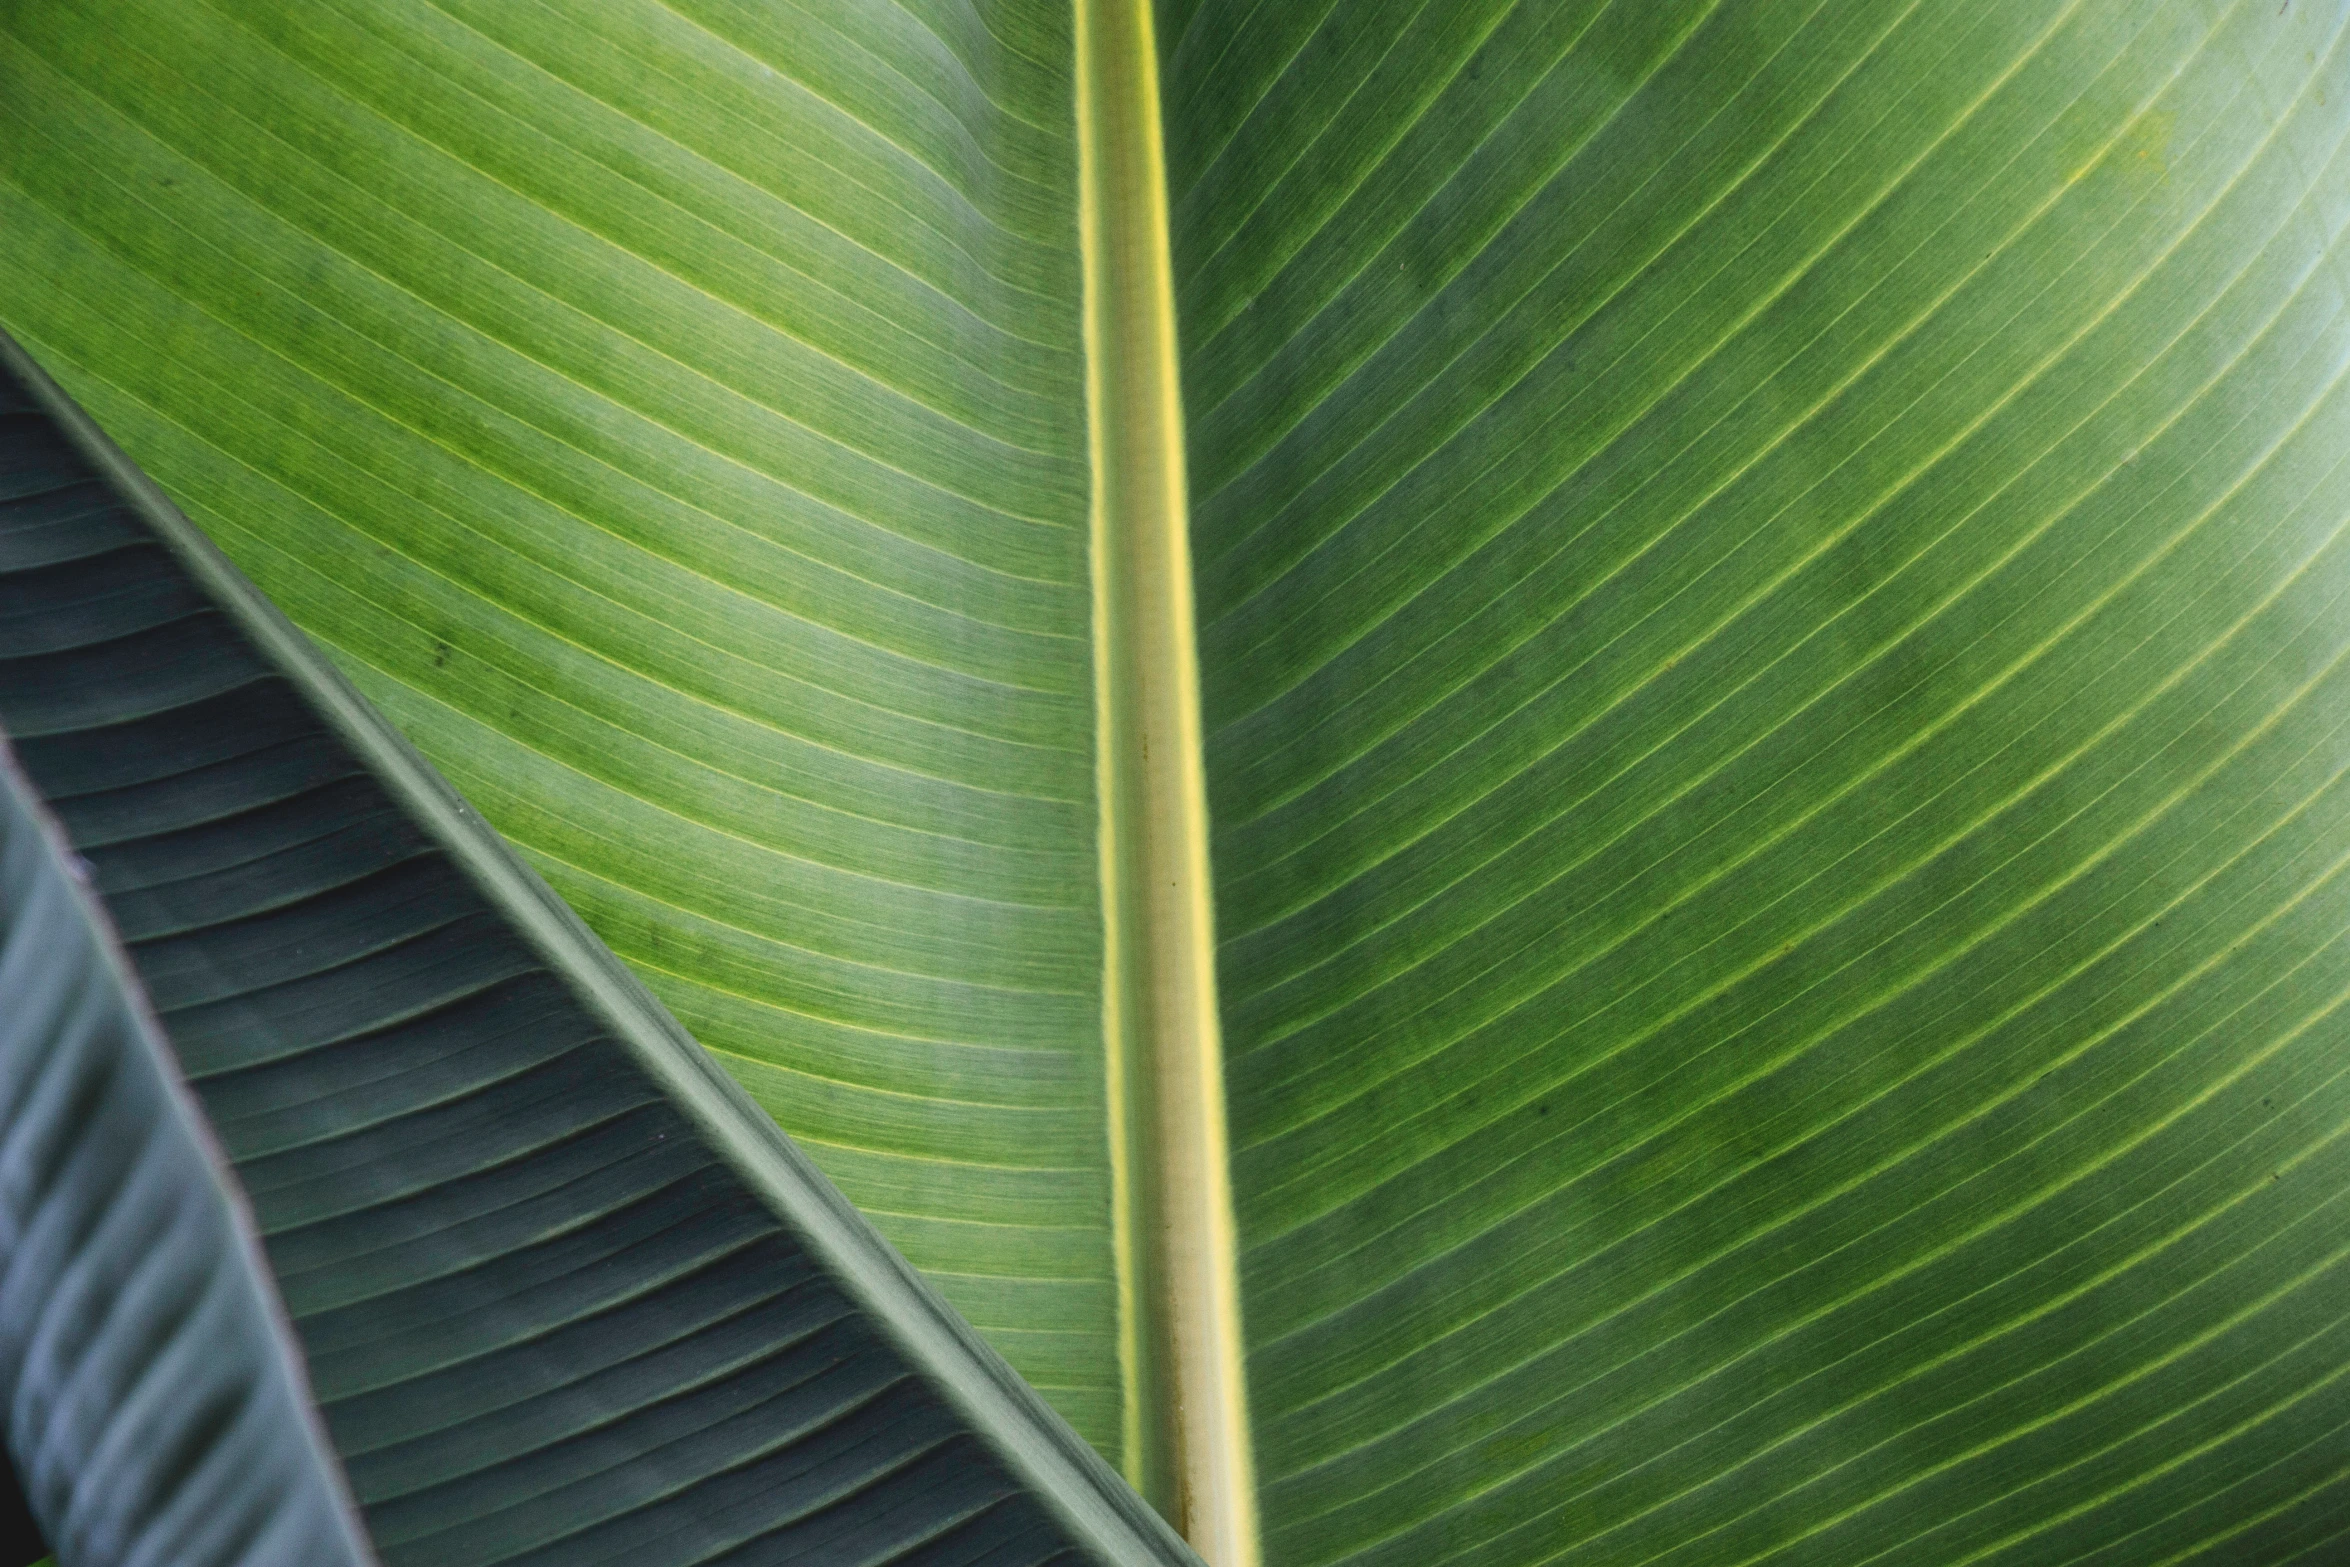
1185 1428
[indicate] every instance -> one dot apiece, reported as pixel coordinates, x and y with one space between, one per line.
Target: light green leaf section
673 416
1774 634
1775 622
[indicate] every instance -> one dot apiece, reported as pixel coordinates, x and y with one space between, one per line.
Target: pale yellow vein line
1037 1106
1297 244
814 434
467 593
1269 442
1494 396
2135 1375
1990 810
962 70
884 972
700 575
2112 845
2023 1005
1213 70
1163 1038
2333 1441
601 655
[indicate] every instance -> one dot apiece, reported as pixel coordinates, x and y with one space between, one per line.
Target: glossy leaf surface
1770 623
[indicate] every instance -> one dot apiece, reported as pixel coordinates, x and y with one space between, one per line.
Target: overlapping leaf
672 416
561 1291
157 1406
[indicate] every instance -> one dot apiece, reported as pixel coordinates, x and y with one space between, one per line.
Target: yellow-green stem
1186 1418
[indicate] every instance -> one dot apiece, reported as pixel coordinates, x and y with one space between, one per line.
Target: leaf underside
156 1406
1771 613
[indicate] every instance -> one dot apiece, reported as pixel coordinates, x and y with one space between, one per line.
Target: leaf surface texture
554 1303
1771 609
673 417
1771 617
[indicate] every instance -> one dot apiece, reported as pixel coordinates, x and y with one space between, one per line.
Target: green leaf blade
561 1290
1769 583
674 416
1768 628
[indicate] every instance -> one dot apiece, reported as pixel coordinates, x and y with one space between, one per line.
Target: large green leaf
1768 641
562 1292
673 417
1772 616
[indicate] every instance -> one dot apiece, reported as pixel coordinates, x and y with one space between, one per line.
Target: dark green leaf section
672 415
21 1541
545 1317
1776 629
156 1407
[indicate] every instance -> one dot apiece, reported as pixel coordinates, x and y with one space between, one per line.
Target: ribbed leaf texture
544 1320
1774 620
1774 608
155 1408
672 415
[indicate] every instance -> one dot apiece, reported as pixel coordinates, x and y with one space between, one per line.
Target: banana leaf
556 1290
157 1408
1534 780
